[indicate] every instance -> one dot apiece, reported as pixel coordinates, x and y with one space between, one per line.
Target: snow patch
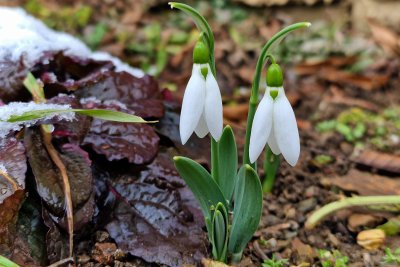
3 168
18 108
119 65
23 37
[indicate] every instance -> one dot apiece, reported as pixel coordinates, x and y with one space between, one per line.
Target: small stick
61 262
67 188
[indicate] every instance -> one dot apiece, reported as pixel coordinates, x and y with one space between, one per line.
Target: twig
61 262
14 185
67 189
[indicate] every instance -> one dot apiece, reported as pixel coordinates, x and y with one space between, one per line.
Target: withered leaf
365 183
12 183
379 160
12 167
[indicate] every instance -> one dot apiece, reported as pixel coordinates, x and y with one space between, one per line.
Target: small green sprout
391 258
332 259
323 160
273 262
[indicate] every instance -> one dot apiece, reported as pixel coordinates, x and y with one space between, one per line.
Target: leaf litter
87 80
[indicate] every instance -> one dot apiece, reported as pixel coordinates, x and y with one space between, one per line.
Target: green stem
271 164
347 203
256 83
214 159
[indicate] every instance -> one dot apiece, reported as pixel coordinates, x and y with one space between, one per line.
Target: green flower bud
201 54
274 76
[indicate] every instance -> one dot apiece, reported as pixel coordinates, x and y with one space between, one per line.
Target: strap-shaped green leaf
247 211
7 263
103 114
228 163
220 233
203 186
111 115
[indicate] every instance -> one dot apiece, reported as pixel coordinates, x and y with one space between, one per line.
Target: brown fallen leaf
357 220
338 97
365 183
379 160
311 67
371 239
236 112
366 82
388 39
210 263
304 251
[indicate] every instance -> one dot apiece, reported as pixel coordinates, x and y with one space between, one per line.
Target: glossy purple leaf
140 95
152 220
49 183
138 143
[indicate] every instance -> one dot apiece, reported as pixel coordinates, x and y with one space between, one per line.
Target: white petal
201 129
193 104
285 129
213 107
261 128
272 142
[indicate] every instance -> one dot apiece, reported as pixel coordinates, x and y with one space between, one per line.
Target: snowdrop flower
274 122
202 104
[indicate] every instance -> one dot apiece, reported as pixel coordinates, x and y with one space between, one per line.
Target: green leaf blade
247 211
111 115
228 163
103 114
220 232
203 186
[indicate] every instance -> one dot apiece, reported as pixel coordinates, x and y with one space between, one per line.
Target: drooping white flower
202 106
275 123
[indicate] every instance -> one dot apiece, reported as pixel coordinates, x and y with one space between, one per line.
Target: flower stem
214 159
347 203
271 164
256 83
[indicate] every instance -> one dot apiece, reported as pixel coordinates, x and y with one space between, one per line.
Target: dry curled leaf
365 183
371 239
379 160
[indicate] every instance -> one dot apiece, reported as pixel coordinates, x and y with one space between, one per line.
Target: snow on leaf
14 109
26 42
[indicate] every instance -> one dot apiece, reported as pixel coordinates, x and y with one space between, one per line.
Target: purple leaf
152 221
136 142
49 183
141 95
